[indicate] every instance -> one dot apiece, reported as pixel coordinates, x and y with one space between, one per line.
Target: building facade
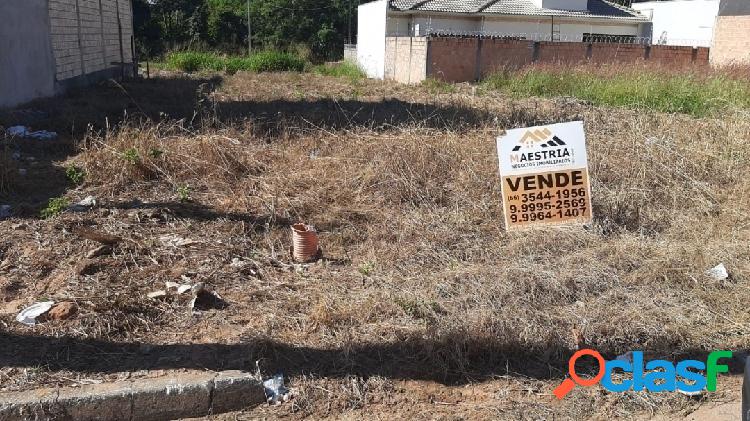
533 20
681 22
731 44
47 46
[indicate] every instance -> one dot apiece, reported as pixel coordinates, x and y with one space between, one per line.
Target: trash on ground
34 313
305 247
276 392
98 236
24 132
84 205
63 311
246 267
173 240
201 297
718 273
17 131
205 298
692 394
5 211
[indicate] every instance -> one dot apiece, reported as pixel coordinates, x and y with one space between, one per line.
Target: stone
63 311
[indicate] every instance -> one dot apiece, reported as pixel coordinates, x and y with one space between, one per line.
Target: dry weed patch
421 282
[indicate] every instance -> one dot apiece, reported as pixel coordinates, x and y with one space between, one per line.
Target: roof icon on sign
533 138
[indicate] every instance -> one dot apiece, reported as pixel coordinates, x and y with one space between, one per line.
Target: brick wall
678 56
406 59
562 52
86 37
499 54
617 53
453 59
731 43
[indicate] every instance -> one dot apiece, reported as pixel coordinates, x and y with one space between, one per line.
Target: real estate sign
545 176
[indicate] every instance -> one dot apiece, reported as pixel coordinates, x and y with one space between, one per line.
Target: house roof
596 8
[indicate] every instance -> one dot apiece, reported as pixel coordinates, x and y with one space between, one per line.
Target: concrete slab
178 396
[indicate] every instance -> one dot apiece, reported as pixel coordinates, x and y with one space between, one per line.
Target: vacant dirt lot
423 306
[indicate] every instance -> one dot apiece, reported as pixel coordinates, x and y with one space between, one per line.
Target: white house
681 22
540 20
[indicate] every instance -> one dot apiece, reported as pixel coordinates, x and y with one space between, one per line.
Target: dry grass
421 280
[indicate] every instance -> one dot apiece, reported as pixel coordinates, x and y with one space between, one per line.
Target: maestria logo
532 138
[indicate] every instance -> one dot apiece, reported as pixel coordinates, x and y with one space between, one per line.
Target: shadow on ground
454 359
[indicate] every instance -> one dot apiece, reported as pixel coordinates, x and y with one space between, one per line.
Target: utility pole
350 22
249 32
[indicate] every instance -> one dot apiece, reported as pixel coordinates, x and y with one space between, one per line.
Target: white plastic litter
23 131
18 131
42 135
718 273
29 315
276 392
84 205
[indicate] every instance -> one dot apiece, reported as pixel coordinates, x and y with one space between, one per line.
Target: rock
5 211
63 311
87 267
84 205
99 251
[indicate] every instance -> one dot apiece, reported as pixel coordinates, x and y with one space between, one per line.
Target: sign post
545 176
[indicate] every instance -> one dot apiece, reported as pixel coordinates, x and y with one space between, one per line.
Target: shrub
637 87
266 61
192 61
75 174
275 61
55 206
344 69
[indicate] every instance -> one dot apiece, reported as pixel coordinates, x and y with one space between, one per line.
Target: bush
275 61
266 61
56 206
192 61
344 69
636 87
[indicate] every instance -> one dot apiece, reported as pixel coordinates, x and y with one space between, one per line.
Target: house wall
681 22
27 67
371 18
731 44
538 28
86 39
47 46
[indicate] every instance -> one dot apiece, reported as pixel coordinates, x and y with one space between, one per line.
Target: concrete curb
181 396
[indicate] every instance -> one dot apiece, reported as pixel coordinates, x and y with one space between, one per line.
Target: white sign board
545 175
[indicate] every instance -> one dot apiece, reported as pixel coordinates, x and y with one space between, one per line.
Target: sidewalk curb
181 396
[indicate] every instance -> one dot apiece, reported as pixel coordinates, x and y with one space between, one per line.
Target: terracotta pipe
304 243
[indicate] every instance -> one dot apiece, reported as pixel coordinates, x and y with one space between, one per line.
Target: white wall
457 25
682 22
562 4
565 29
371 18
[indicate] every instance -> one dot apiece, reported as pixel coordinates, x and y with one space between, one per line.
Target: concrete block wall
731 44
406 59
86 36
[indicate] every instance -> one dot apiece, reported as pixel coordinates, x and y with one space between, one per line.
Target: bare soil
422 306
